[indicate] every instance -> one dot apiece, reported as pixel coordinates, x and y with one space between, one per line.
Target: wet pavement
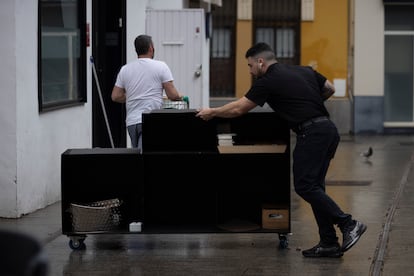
378 190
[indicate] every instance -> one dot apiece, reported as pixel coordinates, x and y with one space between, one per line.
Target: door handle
197 72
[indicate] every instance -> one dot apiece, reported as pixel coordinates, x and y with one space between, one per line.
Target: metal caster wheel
77 243
283 242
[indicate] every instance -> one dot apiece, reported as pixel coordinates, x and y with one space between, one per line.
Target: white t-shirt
142 80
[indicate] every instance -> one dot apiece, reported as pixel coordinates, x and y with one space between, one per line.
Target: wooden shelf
248 149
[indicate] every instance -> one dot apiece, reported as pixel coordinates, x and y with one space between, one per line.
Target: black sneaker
352 234
318 251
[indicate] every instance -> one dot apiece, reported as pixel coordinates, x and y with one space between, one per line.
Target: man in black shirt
297 95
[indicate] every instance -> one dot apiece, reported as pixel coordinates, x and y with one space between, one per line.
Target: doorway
108 51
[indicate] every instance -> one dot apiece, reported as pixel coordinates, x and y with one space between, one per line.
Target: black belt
310 122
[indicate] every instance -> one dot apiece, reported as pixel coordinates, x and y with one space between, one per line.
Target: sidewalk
378 191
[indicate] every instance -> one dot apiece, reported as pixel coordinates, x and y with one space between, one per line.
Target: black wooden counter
183 182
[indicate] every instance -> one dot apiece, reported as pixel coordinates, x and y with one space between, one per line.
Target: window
399 18
284 45
223 49
221 43
61 56
277 23
399 64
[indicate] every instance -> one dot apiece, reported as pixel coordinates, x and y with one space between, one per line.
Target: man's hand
205 114
327 90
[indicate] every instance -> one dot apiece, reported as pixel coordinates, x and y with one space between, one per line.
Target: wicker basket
96 216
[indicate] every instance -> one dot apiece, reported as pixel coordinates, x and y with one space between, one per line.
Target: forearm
171 92
229 110
175 96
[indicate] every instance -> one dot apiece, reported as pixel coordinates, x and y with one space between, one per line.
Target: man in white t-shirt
140 84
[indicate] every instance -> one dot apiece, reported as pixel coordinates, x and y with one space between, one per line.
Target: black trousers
315 147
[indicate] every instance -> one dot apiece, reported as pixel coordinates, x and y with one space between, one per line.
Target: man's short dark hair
142 44
260 48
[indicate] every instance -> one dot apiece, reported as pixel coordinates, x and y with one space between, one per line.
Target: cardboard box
274 217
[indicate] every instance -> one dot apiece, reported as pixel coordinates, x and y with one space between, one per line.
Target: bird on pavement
367 153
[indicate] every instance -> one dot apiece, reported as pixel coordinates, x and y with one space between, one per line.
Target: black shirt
292 91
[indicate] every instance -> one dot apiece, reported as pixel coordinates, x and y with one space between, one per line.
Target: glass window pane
266 35
221 43
280 39
60 57
398 87
399 17
60 53
285 47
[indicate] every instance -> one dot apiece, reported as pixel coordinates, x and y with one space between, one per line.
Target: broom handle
102 102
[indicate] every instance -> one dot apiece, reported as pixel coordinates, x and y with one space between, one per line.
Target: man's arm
230 110
171 91
118 94
327 90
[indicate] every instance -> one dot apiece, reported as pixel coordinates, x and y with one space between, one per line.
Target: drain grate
348 182
406 143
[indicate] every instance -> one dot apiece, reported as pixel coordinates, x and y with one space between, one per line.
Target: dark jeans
315 147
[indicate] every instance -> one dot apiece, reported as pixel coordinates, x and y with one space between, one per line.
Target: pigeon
367 153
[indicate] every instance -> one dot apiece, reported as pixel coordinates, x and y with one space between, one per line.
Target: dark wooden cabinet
183 182
98 174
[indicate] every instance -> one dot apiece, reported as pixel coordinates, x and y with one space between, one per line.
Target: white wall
135 25
32 143
8 158
369 48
